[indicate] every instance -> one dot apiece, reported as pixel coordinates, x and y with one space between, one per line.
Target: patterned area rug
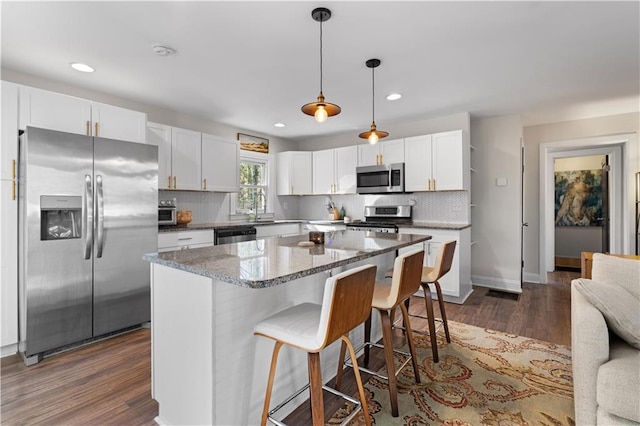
484 377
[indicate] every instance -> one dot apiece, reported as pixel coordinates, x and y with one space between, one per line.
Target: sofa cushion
619 382
617 270
621 309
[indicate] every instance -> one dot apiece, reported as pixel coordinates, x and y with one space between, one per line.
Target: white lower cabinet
182 240
456 284
322 227
279 230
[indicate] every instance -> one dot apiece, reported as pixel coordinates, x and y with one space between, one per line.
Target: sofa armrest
589 350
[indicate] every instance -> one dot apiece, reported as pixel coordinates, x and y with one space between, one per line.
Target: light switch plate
502 181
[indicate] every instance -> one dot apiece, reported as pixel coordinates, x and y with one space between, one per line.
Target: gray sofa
605 341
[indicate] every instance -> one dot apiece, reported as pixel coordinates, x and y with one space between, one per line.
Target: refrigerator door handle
100 216
87 219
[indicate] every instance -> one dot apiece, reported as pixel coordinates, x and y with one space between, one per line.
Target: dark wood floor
109 382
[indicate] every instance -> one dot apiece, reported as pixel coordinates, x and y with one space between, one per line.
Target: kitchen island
207 366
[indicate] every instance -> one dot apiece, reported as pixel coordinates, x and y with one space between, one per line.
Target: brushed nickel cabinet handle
175 182
96 127
169 182
13 190
434 184
13 169
205 184
88 128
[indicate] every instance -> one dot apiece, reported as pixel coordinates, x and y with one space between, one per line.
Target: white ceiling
252 64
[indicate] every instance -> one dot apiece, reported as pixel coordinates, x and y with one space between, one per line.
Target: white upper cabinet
9 143
323 172
220 164
50 110
118 123
294 173
435 162
346 160
160 136
186 160
334 170
384 152
448 160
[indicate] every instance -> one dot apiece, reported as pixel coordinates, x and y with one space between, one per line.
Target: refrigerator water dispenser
60 217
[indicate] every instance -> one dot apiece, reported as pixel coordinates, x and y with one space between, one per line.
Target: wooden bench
586 262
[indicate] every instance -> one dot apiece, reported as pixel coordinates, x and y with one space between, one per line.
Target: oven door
166 215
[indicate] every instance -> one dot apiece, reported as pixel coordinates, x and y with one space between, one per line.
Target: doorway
581 193
619 190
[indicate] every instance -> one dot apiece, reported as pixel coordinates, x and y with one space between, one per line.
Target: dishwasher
235 235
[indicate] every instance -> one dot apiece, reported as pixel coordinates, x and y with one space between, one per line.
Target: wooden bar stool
346 304
407 270
432 275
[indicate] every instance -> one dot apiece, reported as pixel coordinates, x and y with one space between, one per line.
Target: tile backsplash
442 206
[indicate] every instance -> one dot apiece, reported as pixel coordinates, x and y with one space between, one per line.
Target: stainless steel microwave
380 179
167 212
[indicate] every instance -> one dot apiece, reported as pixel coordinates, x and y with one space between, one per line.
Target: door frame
623 153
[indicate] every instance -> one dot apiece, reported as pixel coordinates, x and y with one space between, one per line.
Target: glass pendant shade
373 135
321 110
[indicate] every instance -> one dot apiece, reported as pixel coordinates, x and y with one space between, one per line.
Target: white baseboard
511 286
8 350
530 277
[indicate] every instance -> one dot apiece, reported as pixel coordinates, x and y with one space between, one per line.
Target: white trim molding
511 286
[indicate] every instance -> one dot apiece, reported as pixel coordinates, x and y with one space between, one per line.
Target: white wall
566 131
495 217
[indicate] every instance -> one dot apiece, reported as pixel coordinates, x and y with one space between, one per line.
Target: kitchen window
254 178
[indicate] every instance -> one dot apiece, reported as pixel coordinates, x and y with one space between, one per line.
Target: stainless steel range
382 219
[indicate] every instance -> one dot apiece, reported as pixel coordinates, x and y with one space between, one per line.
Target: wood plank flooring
109 382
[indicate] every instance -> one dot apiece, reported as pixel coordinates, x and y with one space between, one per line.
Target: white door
368 155
49 110
9 128
160 136
220 164
323 172
113 122
392 151
185 159
446 149
417 166
346 159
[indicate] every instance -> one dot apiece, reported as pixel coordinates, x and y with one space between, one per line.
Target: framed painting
578 197
253 143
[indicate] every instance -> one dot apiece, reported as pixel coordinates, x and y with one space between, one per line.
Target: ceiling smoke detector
163 50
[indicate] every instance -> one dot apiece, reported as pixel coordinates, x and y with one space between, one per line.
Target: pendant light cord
321 56
373 94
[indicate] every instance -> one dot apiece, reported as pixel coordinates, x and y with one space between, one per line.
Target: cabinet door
113 122
447 160
220 164
417 166
9 142
9 264
185 159
392 151
283 173
49 110
323 172
301 176
368 155
160 136
346 160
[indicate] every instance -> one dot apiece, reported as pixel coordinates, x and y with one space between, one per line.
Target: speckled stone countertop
223 225
272 261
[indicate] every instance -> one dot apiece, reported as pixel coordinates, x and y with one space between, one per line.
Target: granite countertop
224 225
272 261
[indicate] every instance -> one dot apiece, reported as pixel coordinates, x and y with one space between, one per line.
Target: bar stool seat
386 298
311 327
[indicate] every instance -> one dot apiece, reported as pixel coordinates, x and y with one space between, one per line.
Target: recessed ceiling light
279 124
81 67
394 96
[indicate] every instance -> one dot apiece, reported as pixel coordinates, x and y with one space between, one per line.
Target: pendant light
373 135
321 110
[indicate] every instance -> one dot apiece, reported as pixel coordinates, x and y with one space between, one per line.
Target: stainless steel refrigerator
88 212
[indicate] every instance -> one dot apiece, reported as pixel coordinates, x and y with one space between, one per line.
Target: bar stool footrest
439 323
348 362
291 397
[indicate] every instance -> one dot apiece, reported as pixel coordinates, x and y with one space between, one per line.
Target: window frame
258 158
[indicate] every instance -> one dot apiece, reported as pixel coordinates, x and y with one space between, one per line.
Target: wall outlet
456 207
